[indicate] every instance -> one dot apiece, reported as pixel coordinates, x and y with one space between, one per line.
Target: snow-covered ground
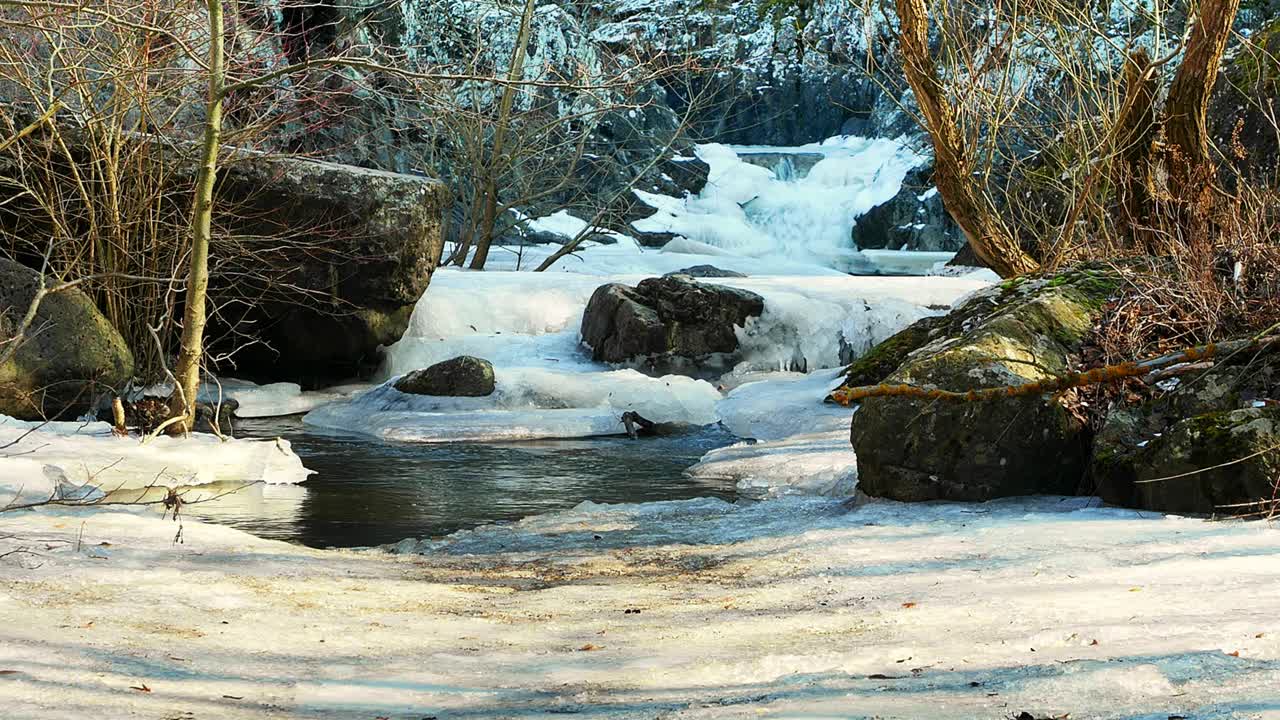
792 608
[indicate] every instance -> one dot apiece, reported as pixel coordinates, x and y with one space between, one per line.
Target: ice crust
41 457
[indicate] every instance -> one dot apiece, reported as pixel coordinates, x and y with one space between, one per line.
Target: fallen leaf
1259 635
908 604
589 647
1234 654
1137 589
10 672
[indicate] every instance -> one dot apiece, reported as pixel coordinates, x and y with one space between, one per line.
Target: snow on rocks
91 455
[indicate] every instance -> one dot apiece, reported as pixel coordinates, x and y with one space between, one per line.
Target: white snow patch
90 454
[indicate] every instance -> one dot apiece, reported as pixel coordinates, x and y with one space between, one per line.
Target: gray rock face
914 219
362 247
70 354
1018 332
463 376
1203 430
666 320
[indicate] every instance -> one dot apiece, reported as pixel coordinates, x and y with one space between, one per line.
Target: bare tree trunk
191 352
966 203
1135 131
490 200
1186 129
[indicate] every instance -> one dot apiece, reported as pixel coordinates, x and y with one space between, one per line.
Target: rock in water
671 320
1021 331
463 376
708 271
71 350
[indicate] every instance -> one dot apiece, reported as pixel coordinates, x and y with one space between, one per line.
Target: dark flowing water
368 492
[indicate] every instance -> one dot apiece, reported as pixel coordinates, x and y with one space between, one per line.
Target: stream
369 492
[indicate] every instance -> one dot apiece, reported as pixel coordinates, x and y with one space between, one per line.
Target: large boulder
70 354
1021 331
357 250
1206 441
463 376
671 322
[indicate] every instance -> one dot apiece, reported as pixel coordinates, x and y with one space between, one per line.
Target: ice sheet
91 454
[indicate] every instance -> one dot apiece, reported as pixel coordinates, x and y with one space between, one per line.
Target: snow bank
782 406
806 464
282 398
90 454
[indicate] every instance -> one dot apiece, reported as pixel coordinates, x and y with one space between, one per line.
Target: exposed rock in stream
463 376
673 321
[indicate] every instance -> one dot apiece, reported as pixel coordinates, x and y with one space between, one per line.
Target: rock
669 322
914 219
1203 420
1222 463
70 354
463 376
1020 331
966 257
362 245
1240 108
707 271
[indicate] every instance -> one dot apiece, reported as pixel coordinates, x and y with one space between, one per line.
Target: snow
528 403
794 607
44 456
820 464
282 398
527 326
260 401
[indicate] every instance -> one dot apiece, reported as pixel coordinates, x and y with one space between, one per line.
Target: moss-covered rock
70 354
1201 420
1217 463
463 376
1021 331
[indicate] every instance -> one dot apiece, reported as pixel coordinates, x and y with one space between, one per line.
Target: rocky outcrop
70 354
1020 331
708 271
356 250
672 322
914 219
1241 113
1207 443
463 376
